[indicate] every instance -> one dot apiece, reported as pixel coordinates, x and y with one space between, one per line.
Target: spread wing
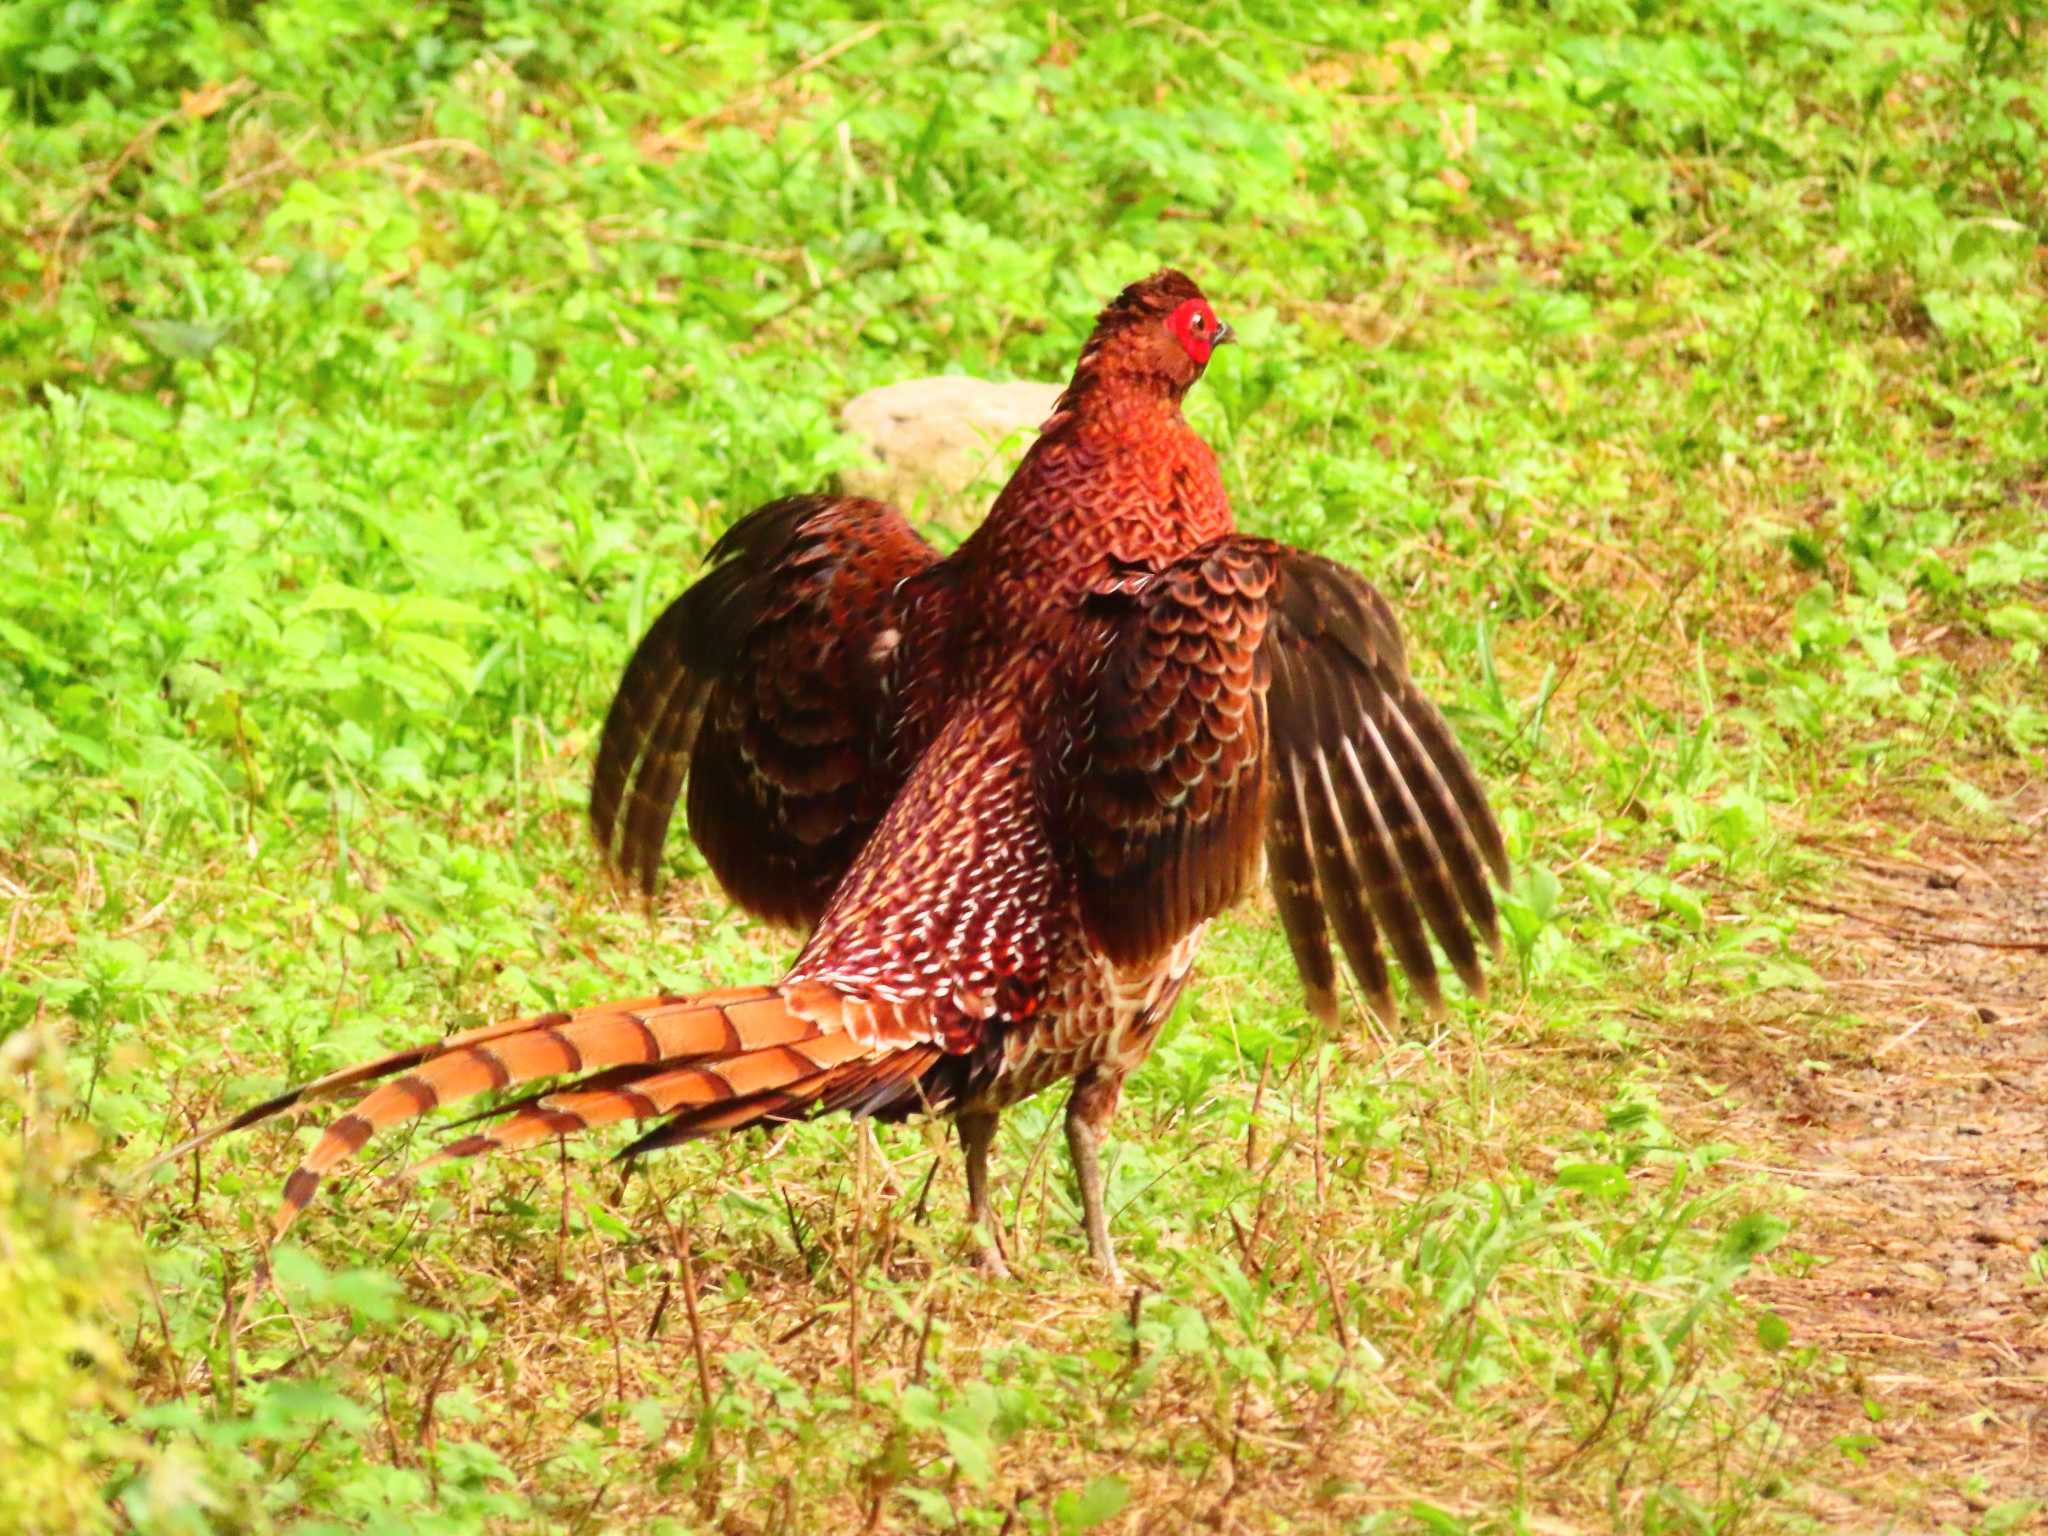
795 684
1254 694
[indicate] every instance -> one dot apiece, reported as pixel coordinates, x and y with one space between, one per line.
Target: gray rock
934 441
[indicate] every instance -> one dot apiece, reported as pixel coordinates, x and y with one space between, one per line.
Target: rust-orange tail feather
717 1061
701 1100
338 1082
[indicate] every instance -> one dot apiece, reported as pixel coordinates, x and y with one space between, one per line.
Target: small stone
937 437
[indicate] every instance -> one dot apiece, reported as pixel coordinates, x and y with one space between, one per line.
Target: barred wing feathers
1252 693
790 684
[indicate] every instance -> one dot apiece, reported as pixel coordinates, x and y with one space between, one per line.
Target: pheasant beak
1223 334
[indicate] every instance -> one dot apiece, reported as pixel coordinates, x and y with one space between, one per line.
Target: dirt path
1922 1152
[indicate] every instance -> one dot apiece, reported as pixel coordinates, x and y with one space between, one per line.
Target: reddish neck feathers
1126 372
1117 478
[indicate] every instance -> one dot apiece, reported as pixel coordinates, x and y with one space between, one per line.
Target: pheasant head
1155 337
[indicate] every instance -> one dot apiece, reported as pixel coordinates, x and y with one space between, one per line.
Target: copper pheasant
1004 791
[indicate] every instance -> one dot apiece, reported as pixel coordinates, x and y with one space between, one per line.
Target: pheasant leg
1088 1115
977 1133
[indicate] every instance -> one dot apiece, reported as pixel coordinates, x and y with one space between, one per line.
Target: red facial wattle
1196 328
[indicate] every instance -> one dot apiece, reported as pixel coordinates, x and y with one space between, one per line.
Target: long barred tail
849 1076
713 1062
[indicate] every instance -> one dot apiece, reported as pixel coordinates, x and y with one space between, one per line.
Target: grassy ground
369 375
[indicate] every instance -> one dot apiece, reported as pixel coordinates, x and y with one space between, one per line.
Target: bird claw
1102 1259
988 1256
987 1250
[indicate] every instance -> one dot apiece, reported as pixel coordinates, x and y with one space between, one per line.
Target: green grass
369 375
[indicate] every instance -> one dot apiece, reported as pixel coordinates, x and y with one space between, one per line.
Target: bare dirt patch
1920 1145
